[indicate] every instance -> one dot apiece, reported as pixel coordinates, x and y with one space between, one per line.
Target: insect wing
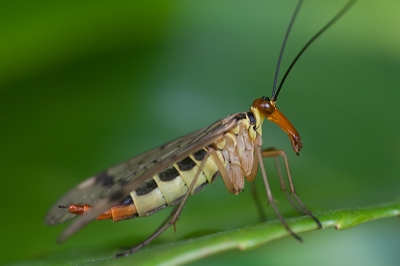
113 185
97 187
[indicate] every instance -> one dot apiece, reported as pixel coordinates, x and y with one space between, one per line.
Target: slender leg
281 180
275 153
172 218
222 171
259 157
256 197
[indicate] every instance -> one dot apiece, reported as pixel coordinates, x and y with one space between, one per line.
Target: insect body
230 152
232 157
167 175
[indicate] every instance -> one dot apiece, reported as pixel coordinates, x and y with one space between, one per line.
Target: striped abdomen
234 152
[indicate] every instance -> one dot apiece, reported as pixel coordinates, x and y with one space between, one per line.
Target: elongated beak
278 118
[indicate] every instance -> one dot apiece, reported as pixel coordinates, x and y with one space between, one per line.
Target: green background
84 86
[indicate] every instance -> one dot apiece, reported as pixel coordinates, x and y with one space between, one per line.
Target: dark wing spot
186 164
147 187
117 195
104 179
168 174
122 182
199 155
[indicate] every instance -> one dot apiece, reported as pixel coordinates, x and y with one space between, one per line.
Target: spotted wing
113 185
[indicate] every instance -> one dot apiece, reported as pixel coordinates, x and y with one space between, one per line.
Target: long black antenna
278 66
274 96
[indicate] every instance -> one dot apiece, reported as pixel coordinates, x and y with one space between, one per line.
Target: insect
167 175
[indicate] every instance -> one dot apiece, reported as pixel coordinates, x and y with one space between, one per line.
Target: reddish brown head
268 109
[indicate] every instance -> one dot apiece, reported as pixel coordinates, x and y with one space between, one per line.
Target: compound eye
265 106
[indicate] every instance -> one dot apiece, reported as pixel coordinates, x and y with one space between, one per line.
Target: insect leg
259 157
173 217
271 152
222 170
256 198
281 180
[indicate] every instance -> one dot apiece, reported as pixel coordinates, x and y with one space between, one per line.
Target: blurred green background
87 85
